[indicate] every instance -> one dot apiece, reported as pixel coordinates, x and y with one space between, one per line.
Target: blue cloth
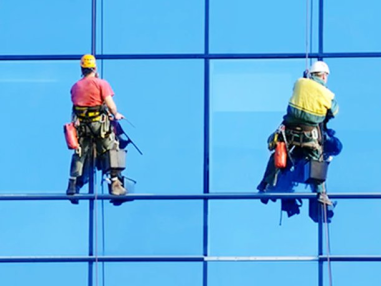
332 144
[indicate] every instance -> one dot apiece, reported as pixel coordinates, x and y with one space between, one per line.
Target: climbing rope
327 244
327 239
96 234
103 233
96 219
308 28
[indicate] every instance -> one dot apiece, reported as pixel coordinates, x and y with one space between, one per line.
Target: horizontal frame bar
222 56
209 196
64 259
337 258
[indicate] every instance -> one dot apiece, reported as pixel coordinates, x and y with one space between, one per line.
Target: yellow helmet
88 61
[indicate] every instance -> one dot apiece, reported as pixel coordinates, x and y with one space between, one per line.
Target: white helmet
319 67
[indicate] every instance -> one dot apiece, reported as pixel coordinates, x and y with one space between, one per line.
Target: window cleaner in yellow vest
304 128
93 106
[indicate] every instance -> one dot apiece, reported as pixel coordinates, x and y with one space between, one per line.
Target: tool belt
93 121
304 136
89 113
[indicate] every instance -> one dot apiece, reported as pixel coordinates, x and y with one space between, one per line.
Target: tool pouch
280 156
105 128
71 136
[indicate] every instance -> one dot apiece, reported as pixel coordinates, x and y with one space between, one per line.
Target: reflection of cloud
38 80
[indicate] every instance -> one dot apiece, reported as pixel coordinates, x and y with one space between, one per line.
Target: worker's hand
118 116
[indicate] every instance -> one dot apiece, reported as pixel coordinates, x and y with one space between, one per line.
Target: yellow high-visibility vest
311 97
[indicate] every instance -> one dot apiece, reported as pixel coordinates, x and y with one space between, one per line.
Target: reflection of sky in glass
38 104
258 228
45 27
170 26
262 26
262 273
248 101
352 26
167 110
364 273
248 92
59 274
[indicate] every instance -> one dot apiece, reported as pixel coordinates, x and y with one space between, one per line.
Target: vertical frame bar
102 202
93 26
206 143
311 27
321 27
92 163
320 246
206 175
91 214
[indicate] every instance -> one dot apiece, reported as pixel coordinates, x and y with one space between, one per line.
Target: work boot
117 189
262 189
323 198
72 190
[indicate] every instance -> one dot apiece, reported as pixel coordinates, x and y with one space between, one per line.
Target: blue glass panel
152 274
43 228
164 101
352 26
37 95
354 273
45 27
356 169
244 26
248 101
154 228
249 228
42 274
171 26
259 273
355 230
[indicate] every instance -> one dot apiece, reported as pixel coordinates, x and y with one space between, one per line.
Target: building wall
204 83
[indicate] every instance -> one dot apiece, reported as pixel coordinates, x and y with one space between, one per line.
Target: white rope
307 30
96 218
103 234
327 239
327 245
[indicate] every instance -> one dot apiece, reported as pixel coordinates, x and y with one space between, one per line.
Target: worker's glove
118 116
332 144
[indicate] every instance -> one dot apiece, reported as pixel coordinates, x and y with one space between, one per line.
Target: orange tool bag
71 136
280 156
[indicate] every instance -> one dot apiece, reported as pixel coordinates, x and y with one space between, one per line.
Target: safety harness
304 136
86 115
89 113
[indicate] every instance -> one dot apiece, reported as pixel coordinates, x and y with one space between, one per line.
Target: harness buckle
314 134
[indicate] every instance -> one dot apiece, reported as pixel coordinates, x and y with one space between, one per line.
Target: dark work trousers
285 179
89 133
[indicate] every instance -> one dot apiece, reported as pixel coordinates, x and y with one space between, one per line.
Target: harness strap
300 127
86 128
310 138
89 113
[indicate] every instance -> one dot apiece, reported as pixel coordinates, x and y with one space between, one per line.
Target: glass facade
202 83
